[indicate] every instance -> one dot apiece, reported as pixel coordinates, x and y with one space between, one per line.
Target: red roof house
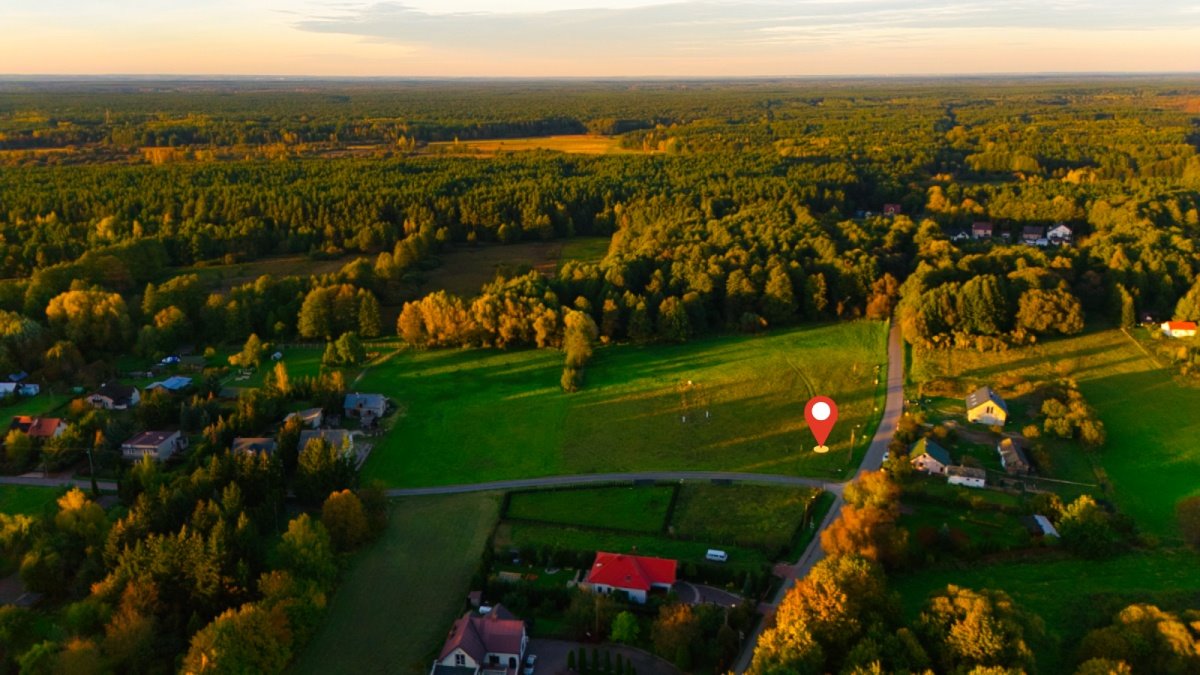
891 209
39 427
633 574
490 643
1178 329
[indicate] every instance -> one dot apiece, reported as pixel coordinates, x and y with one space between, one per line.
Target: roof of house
1012 453
150 439
336 437
966 472
307 414
1045 525
1180 325
43 427
983 395
8 387
497 632
173 383
266 445
631 571
1030 230
117 391
367 401
17 376
1061 226
981 225
926 446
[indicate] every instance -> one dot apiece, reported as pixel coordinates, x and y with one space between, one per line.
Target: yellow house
986 407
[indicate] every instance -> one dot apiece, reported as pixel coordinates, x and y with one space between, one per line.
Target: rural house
966 476
39 427
492 643
254 446
1013 457
338 438
311 418
114 396
1060 234
1179 329
982 230
986 407
365 406
892 210
632 574
157 444
929 457
1031 234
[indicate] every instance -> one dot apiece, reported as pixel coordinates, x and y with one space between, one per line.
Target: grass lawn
999 530
478 415
398 599
1070 594
1152 457
42 404
745 515
27 500
639 509
300 362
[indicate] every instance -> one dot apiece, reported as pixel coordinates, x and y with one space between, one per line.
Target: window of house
460 660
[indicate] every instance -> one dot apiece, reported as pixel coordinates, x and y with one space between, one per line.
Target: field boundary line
1142 347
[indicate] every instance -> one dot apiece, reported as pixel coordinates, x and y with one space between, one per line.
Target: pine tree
369 322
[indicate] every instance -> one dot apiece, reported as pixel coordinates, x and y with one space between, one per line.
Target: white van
716 556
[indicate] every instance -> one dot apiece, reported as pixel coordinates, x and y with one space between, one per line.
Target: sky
596 38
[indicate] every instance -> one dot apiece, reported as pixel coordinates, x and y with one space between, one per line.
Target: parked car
530 662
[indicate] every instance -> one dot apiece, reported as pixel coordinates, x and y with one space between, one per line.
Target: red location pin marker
821 414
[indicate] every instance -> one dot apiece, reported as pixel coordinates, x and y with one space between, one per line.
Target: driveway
552 657
699 594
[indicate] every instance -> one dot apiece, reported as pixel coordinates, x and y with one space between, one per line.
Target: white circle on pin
820 410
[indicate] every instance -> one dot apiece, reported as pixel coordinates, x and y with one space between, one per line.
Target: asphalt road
591 478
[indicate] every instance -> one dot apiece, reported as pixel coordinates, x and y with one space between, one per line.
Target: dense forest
732 207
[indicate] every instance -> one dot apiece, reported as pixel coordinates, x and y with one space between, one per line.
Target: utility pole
92 474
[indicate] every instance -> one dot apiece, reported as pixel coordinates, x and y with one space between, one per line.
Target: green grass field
42 404
397 601
518 535
628 508
300 362
746 515
1153 452
585 249
22 499
470 416
1066 592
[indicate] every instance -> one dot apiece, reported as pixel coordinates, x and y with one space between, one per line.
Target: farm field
1152 457
576 144
465 269
225 277
413 583
472 416
1069 594
585 249
628 508
22 499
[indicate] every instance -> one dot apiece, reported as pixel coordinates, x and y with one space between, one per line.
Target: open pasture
412 583
572 144
1152 457
732 403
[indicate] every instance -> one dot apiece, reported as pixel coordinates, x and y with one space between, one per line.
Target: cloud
688 26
